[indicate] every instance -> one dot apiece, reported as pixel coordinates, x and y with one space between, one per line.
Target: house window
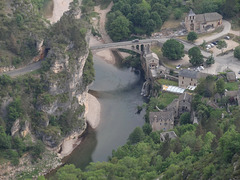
182 82
190 84
191 79
194 84
191 21
182 77
193 17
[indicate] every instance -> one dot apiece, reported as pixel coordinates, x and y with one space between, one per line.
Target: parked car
227 37
201 67
178 66
135 40
208 46
212 44
215 43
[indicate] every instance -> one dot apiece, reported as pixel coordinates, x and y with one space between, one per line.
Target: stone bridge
138 47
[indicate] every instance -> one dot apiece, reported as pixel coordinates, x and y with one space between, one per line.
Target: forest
140 17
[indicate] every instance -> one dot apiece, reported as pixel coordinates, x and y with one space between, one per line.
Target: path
226 30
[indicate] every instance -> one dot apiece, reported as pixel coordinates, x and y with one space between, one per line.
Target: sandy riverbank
59 7
93 110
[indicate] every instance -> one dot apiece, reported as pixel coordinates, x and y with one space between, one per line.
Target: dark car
215 43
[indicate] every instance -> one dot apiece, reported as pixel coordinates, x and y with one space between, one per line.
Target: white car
201 67
178 66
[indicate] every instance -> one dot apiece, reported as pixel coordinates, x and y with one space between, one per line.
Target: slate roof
200 18
185 96
163 115
192 74
231 76
171 135
212 16
191 13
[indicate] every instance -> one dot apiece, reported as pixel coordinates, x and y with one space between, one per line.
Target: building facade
202 22
189 78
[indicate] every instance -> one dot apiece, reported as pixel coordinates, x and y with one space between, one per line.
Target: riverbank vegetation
202 151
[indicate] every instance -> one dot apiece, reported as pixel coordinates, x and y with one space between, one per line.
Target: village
183 80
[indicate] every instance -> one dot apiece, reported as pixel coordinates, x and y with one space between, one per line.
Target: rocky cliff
46 106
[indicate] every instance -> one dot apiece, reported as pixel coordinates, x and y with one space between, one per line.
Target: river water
118 91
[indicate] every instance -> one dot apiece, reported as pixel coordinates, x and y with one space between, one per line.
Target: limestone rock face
68 92
16 127
25 129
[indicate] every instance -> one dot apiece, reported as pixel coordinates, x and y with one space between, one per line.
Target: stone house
162 120
189 78
169 134
202 22
233 96
184 103
152 64
231 76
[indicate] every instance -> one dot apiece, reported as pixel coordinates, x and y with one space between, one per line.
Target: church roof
212 16
191 13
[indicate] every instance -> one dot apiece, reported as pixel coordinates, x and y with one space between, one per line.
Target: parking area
212 46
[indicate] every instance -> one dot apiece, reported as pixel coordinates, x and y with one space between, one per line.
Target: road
225 31
27 69
221 61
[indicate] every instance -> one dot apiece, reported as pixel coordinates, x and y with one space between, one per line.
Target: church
202 22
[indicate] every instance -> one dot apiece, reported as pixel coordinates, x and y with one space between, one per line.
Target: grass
166 98
167 82
157 50
172 23
232 86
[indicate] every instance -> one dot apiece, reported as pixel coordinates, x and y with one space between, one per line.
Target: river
118 91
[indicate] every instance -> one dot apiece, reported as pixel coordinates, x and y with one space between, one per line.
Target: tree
185 118
178 13
157 19
68 172
237 52
5 140
195 55
192 36
220 86
119 28
172 49
210 60
136 136
221 44
147 128
38 149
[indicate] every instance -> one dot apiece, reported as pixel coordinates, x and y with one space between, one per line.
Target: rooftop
173 89
192 74
170 134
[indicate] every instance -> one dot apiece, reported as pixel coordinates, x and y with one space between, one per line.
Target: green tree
185 118
172 49
210 60
178 13
5 140
230 144
221 44
136 136
147 128
157 19
38 149
220 86
69 172
192 36
195 55
119 28
237 52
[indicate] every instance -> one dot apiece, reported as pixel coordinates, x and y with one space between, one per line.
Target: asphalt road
27 69
220 62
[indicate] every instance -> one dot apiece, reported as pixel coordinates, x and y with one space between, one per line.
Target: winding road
222 62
